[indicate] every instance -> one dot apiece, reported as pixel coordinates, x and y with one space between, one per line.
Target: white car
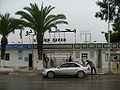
68 68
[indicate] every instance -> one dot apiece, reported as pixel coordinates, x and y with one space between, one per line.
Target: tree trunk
40 50
4 42
3 48
40 45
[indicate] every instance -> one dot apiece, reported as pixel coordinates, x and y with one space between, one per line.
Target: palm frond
8 24
55 18
26 16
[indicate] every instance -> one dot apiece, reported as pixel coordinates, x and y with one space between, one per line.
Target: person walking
70 59
114 65
89 62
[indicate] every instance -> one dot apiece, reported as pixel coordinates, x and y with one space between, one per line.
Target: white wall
76 55
14 58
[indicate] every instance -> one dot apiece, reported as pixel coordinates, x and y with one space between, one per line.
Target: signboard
84 46
26 59
19 46
55 40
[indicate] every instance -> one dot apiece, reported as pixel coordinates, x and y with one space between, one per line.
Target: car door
73 68
63 69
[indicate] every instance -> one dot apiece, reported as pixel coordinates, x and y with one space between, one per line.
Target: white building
20 55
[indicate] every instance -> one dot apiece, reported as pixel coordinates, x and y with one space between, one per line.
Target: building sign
55 40
65 46
19 46
114 45
84 46
99 45
92 46
77 46
105 45
55 46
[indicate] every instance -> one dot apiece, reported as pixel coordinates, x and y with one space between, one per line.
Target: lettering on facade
19 46
54 40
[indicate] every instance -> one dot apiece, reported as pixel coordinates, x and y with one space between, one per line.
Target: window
74 65
65 65
84 56
77 54
7 56
20 53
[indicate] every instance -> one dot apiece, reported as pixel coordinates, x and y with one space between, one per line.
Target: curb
39 73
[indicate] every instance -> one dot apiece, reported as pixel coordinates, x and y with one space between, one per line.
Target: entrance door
84 56
30 61
99 64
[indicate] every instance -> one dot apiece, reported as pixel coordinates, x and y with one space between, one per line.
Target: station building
25 55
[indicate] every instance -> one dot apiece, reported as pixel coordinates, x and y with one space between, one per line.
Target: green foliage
40 20
116 26
7 25
114 37
114 9
114 16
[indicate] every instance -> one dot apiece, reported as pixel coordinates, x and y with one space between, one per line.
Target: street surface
99 82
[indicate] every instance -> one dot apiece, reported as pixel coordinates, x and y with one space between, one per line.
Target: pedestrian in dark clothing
89 62
70 59
46 60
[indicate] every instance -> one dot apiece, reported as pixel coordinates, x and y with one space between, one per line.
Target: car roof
72 62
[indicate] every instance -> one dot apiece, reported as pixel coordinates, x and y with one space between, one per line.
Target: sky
80 16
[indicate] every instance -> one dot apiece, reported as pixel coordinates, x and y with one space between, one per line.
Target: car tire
50 74
80 74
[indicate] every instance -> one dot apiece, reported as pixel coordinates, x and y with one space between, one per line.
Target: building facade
25 55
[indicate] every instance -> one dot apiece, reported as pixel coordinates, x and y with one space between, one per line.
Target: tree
114 36
7 25
40 20
114 16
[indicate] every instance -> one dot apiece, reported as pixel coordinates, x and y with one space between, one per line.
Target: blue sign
19 46
26 59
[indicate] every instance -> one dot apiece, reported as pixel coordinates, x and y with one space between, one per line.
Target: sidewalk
20 72
105 71
27 72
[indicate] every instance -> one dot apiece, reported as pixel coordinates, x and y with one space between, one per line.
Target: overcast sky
79 13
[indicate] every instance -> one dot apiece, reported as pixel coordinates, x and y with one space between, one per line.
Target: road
99 82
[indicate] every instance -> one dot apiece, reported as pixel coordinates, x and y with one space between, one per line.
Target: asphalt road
99 82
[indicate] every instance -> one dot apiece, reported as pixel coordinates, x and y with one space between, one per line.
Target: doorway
84 56
30 61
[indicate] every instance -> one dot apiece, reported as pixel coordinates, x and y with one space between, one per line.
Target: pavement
20 72
27 72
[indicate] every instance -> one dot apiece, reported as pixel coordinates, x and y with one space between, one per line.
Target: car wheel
50 74
80 74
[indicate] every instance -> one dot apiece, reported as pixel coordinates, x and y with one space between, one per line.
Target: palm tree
40 20
7 25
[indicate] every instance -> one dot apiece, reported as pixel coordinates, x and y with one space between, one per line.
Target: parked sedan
68 68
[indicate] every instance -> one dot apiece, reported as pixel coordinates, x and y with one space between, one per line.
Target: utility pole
109 56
